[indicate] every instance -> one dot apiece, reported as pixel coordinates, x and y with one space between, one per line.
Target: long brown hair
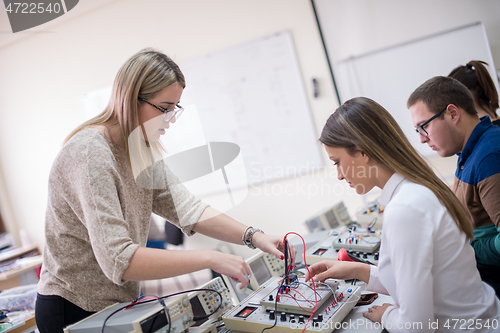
363 124
476 78
143 75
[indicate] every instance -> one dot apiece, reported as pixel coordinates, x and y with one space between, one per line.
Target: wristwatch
248 237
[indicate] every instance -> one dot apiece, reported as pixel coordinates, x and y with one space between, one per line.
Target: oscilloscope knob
283 316
301 319
271 315
292 318
320 317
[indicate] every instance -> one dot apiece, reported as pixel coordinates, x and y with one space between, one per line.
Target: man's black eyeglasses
420 129
169 114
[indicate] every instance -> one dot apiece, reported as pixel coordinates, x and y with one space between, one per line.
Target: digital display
260 271
198 310
247 311
154 322
320 252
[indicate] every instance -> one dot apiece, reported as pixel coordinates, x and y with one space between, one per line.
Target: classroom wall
365 25
49 72
46 71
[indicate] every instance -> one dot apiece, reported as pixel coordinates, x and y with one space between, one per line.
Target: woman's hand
376 312
330 269
273 245
233 266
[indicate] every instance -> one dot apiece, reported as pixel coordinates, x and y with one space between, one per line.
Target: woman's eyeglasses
169 114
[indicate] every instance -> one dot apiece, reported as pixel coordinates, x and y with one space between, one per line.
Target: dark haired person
476 78
445 117
426 262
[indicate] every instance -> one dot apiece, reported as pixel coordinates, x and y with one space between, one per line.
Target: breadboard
251 316
300 300
360 241
327 248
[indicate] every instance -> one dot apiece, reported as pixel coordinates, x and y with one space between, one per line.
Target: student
426 262
443 113
99 204
476 78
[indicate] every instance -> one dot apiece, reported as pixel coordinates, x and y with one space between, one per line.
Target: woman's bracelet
248 235
244 235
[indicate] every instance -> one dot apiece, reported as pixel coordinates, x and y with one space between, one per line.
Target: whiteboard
389 75
253 95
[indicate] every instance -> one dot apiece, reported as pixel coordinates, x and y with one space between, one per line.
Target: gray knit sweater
97 216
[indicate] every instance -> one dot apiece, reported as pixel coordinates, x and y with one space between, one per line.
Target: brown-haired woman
477 79
426 262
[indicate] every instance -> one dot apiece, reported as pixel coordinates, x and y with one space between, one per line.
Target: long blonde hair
142 76
363 124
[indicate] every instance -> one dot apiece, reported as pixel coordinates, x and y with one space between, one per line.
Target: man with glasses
444 116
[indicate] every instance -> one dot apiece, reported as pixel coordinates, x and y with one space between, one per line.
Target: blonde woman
426 262
100 204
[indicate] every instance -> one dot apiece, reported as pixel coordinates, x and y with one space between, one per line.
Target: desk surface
355 322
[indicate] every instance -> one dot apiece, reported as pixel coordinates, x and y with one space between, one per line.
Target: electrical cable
309 272
168 316
285 277
141 300
297 301
128 306
291 281
309 286
314 284
201 289
275 305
